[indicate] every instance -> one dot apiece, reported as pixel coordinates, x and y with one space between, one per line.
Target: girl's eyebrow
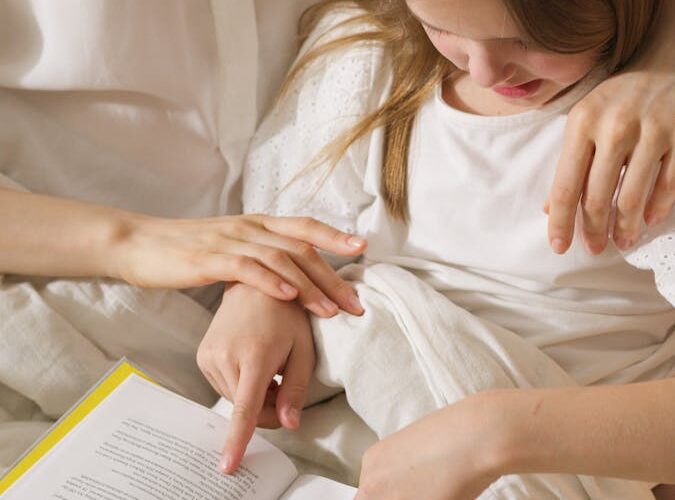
435 28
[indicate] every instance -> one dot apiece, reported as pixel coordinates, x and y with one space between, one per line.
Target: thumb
293 389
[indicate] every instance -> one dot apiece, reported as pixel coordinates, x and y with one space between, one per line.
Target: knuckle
564 195
295 390
308 224
238 263
617 133
256 354
242 411
196 257
238 228
629 203
581 115
337 236
341 287
305 251
277 256
595 206
622 117
652 126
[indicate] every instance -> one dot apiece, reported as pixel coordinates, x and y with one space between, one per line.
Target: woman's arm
631 111
625 431
456 452
47 236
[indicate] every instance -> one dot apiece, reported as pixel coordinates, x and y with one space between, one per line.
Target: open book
132 439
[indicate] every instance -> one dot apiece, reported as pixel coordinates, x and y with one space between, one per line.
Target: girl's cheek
563 69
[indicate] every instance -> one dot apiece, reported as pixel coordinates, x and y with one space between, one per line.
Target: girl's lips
523 90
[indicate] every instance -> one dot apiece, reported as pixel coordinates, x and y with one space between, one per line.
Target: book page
310 487
144 442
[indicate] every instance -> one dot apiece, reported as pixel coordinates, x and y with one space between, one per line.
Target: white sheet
412 352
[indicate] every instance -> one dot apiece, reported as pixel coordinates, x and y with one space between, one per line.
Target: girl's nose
487 66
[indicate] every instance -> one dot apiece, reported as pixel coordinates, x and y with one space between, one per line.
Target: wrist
511 444
116 241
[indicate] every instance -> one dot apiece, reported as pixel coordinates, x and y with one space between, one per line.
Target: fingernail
624 243
356 241
287 289
558 245
323 308
225 465
594 248
355 303
293 416
329 306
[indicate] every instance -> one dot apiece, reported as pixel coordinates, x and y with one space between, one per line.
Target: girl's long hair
616 27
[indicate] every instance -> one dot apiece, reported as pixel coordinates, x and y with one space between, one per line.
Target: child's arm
258 336
632 113
252 338
456 452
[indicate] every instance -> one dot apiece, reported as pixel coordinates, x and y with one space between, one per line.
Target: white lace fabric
656 252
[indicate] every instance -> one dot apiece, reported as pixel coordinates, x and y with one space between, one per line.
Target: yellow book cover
111 380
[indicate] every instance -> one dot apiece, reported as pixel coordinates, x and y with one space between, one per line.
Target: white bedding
141 104
413 352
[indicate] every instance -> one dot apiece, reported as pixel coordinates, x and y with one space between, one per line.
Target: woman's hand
252 338
55 237
273 254
626 120
447 455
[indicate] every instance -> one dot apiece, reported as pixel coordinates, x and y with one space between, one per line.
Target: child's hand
252 338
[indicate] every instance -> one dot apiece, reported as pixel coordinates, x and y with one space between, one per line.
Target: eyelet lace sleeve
330 96
656 252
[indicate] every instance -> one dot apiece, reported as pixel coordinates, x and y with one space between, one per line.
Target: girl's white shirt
477 232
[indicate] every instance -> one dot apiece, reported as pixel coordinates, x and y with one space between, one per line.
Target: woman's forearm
625 431
47 236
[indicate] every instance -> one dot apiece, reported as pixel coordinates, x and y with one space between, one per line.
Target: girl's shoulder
342 36
340 21
340 74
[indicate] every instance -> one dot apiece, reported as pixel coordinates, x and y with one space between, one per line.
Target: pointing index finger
248 401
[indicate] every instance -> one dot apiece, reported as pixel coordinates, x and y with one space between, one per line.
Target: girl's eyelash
431 29
523 44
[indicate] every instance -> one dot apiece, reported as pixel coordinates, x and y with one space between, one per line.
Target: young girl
431 127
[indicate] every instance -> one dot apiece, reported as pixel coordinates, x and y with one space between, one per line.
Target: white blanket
413 352
57 338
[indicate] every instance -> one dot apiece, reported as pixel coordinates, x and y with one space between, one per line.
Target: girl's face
481 38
